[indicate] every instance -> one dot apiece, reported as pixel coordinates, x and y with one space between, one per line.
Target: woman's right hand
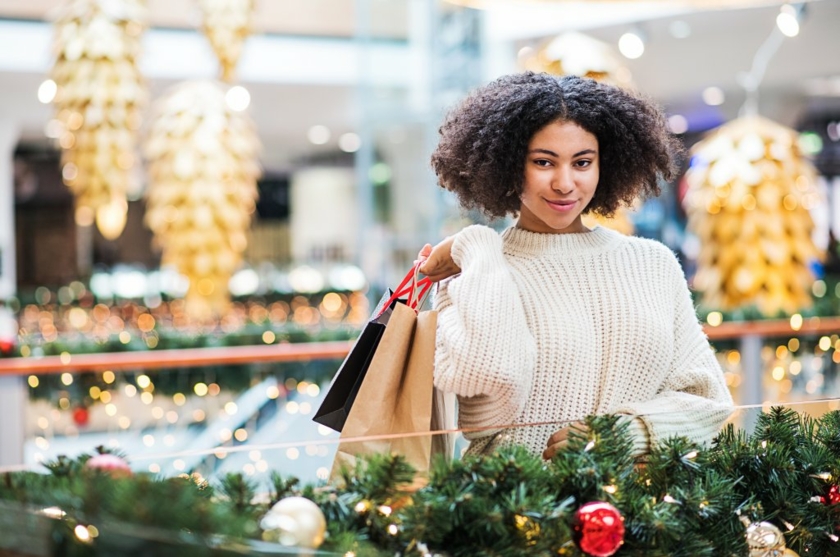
436 262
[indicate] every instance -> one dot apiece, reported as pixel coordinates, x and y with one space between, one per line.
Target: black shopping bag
345 384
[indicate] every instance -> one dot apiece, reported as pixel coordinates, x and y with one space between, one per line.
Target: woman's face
561 174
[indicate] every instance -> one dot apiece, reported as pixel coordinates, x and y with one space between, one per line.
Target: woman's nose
563 182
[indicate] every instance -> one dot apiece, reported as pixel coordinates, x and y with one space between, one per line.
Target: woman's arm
694 400
484 352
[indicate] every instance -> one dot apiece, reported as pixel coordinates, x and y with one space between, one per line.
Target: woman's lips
561 206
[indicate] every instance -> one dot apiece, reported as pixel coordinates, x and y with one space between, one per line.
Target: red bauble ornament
81 416
7 346
833 495
598 529
109 463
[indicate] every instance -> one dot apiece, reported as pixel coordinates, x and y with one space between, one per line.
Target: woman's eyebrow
553 154
546 151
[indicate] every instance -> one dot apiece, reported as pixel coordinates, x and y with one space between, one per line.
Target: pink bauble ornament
598 529
109 463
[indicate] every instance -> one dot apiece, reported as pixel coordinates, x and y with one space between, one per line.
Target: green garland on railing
171 338
827 304
170 381
683 501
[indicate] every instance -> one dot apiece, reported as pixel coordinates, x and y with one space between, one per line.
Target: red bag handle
420 289
417 290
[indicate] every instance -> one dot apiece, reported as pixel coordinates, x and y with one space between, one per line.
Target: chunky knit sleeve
694 400
484 352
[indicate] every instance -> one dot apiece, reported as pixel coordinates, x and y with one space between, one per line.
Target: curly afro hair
484 140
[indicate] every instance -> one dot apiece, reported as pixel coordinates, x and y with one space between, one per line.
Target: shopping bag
345 385
421 407
397 396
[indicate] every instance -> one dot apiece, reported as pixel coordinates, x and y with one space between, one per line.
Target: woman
551 321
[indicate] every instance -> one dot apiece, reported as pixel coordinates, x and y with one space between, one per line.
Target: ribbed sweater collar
522 242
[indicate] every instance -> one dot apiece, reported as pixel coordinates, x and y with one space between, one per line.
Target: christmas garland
172 338
735 498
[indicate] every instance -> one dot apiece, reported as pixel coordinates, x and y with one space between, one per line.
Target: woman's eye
583 163
542 162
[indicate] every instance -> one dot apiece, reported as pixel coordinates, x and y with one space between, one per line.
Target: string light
631 45
82 533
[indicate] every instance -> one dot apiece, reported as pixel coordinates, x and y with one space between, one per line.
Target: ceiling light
678 124
47 91
349 142
631 45
713 96
787 21
318 135
237 98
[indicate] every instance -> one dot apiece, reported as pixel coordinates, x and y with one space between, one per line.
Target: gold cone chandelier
748 199
100 96
581 55
203 172
227 23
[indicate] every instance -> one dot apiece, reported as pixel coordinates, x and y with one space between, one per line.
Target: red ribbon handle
416 288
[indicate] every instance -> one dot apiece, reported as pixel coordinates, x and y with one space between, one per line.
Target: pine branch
282 487
238 491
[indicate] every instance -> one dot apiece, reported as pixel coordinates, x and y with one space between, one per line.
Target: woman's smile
562 206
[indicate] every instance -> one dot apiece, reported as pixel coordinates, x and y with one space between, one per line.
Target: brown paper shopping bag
414 407
397 397
342 392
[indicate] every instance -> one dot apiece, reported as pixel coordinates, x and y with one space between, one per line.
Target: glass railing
249 408
212 419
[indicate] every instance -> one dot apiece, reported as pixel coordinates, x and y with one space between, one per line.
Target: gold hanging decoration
203 171
578 54
620 221
100 96
227 23
749 194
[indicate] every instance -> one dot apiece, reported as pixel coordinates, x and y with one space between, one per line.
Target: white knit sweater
555 327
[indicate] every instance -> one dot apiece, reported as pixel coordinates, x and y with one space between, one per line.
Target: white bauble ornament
295 521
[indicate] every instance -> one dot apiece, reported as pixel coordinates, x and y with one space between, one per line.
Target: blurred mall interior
186 194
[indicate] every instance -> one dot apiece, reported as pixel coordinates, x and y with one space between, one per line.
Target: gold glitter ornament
581 55
99 99
766 540
748 199
227 23
295 522
203 171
